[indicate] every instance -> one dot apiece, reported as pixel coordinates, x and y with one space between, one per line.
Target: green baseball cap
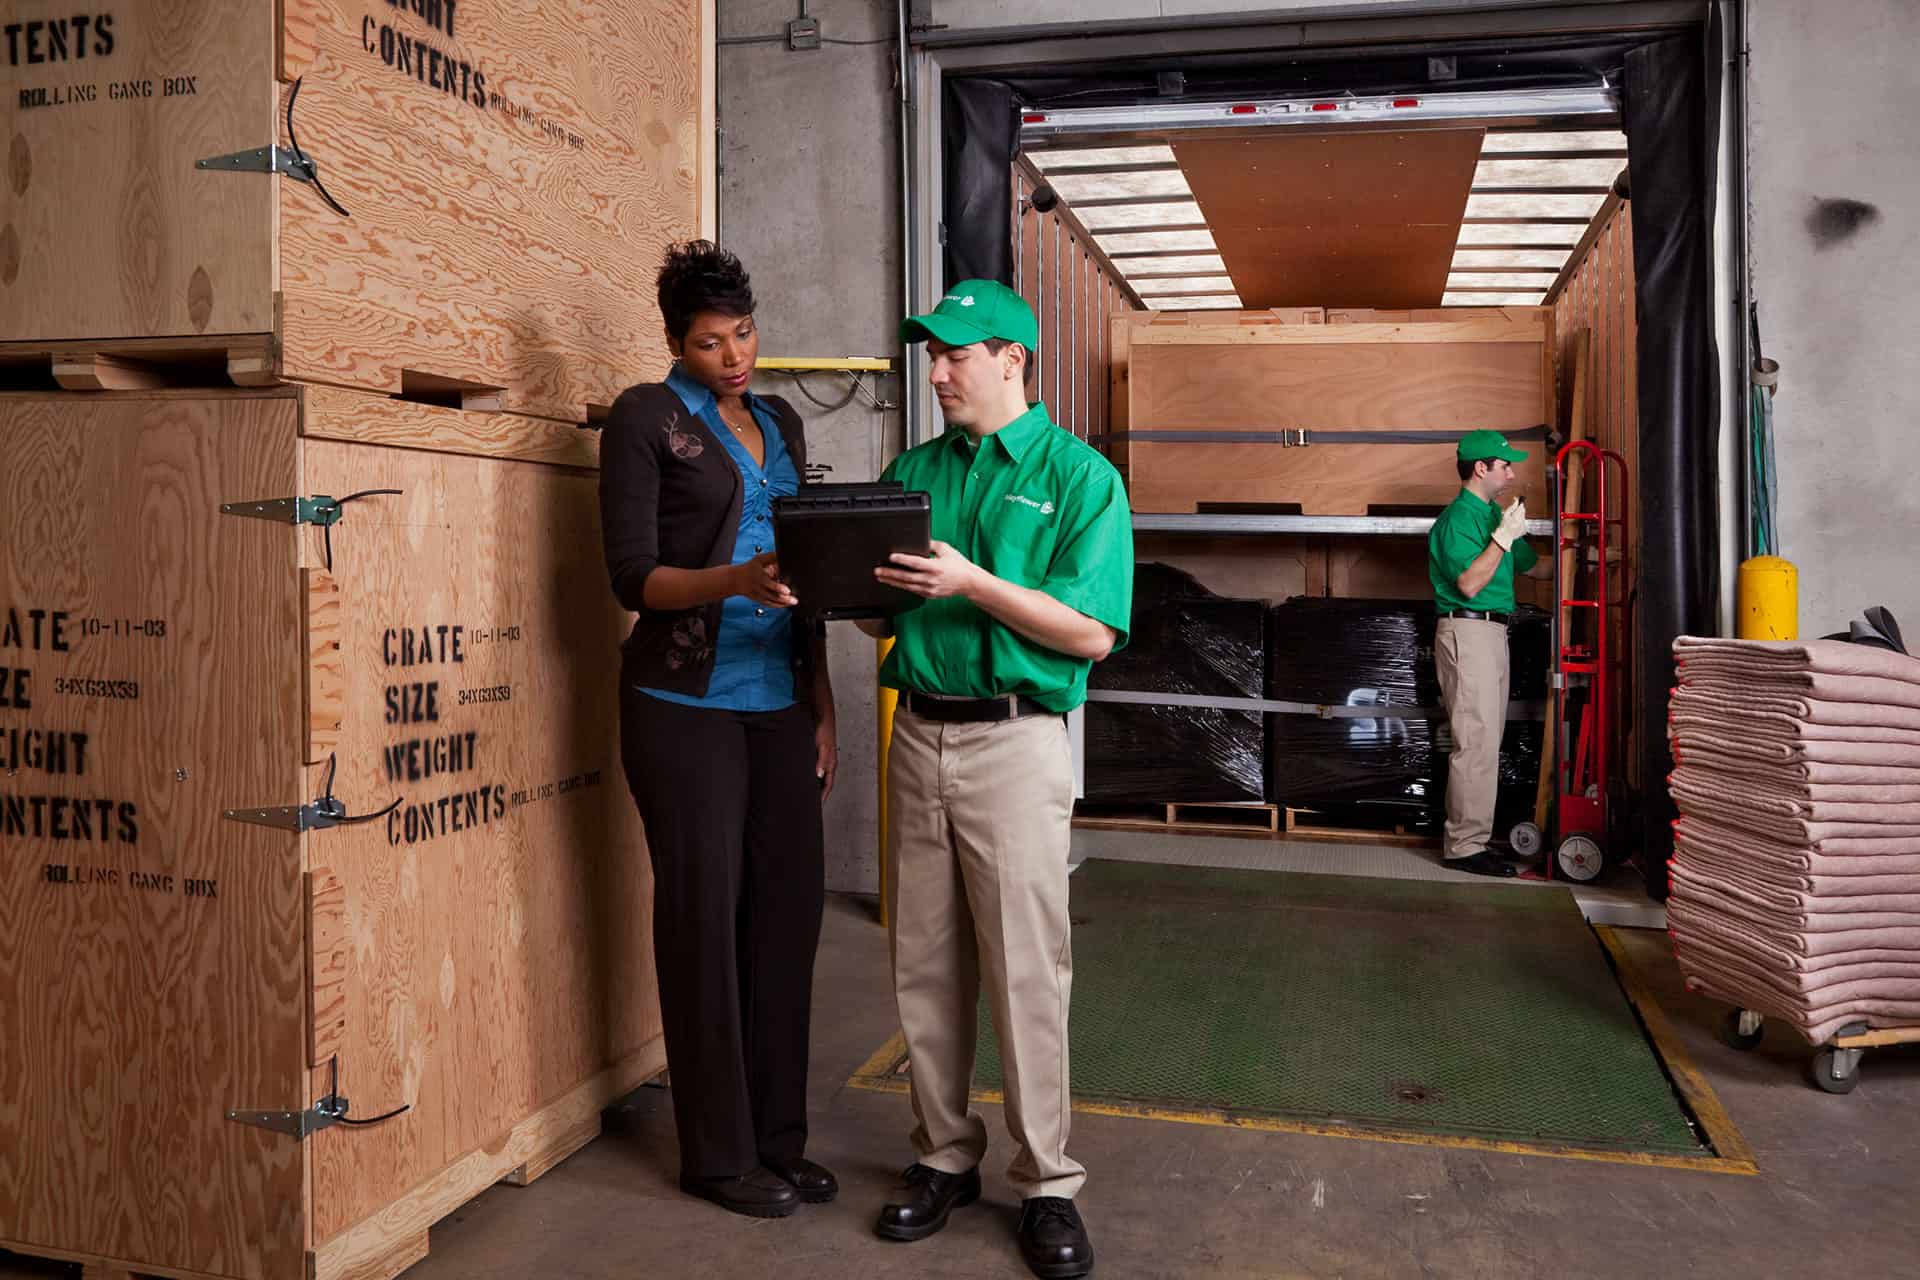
1478 445
973 311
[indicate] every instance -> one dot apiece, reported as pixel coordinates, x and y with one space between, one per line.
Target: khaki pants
1472 658
979 820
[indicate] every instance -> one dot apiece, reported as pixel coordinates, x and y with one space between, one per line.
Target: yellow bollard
1767 599
884 705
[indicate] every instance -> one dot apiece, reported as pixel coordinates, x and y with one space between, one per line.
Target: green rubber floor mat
1416 1007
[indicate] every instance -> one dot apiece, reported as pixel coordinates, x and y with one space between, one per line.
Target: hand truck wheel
1581 859
1526 840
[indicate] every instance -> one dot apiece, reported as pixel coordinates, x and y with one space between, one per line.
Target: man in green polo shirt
1472 553
1030 582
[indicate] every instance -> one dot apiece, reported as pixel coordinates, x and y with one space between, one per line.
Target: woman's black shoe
814 1184
931 1196
1053 1240
759 1194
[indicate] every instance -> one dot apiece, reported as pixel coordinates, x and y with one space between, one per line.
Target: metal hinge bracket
326 1113
272 158
317 816
320 509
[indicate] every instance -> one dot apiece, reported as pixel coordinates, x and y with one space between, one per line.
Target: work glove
1513 523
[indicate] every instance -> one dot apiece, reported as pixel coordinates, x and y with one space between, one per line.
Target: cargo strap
1299 437
1516 710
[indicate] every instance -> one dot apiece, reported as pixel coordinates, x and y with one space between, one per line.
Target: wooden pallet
1309 824
1253 818
140 364
223 361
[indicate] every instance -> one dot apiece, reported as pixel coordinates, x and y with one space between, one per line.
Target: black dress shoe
1053 1239
814 1184
931 1196
1484 864
759 1194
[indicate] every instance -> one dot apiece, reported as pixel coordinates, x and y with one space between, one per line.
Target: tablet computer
829 538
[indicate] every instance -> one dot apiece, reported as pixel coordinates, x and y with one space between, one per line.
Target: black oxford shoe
810 1181
931 1196
1053 1239
759 1194
1484 863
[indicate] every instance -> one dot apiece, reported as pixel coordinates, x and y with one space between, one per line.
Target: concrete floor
1836 1186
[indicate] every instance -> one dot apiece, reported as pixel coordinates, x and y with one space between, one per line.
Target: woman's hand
826 754
759 581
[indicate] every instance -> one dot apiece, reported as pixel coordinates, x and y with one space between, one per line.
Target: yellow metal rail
843 364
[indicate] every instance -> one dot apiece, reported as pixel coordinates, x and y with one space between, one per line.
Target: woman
727 735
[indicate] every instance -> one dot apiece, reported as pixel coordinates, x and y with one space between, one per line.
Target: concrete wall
1835 243
809 183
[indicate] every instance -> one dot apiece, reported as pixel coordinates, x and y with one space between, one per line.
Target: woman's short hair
701 276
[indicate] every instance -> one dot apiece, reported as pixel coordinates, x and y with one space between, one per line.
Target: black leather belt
969 710
1476 615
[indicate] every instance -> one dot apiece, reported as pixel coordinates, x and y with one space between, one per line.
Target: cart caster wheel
1580 858
1526 840
1834 1074
1741 1029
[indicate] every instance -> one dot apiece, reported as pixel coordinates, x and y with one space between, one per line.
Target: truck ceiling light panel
1046 124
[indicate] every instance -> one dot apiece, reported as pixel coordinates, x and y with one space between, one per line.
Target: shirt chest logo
1045 508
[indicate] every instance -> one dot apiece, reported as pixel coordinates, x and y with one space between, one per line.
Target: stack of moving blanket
1796 871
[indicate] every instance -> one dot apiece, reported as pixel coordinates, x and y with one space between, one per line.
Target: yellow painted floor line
884 1073
1687 1077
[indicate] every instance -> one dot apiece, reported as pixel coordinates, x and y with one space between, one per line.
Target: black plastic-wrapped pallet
1184 640
1390 770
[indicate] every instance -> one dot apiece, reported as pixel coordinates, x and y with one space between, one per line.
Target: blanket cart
1835 1066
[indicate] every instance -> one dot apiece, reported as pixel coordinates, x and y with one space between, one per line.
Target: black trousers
731 809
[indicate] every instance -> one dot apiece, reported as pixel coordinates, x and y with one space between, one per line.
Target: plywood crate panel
1119 340
512 171
1413 375
480 954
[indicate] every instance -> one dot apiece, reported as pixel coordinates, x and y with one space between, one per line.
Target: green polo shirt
1034 505
1459 536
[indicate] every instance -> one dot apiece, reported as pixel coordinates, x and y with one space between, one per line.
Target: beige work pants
979 820
1472 658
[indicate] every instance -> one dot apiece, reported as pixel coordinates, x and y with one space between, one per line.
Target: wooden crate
512 171
1493 369
481 954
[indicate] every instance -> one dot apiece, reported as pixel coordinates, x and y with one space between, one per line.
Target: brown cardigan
670 495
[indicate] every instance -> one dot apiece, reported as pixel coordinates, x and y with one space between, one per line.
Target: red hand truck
1586 668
